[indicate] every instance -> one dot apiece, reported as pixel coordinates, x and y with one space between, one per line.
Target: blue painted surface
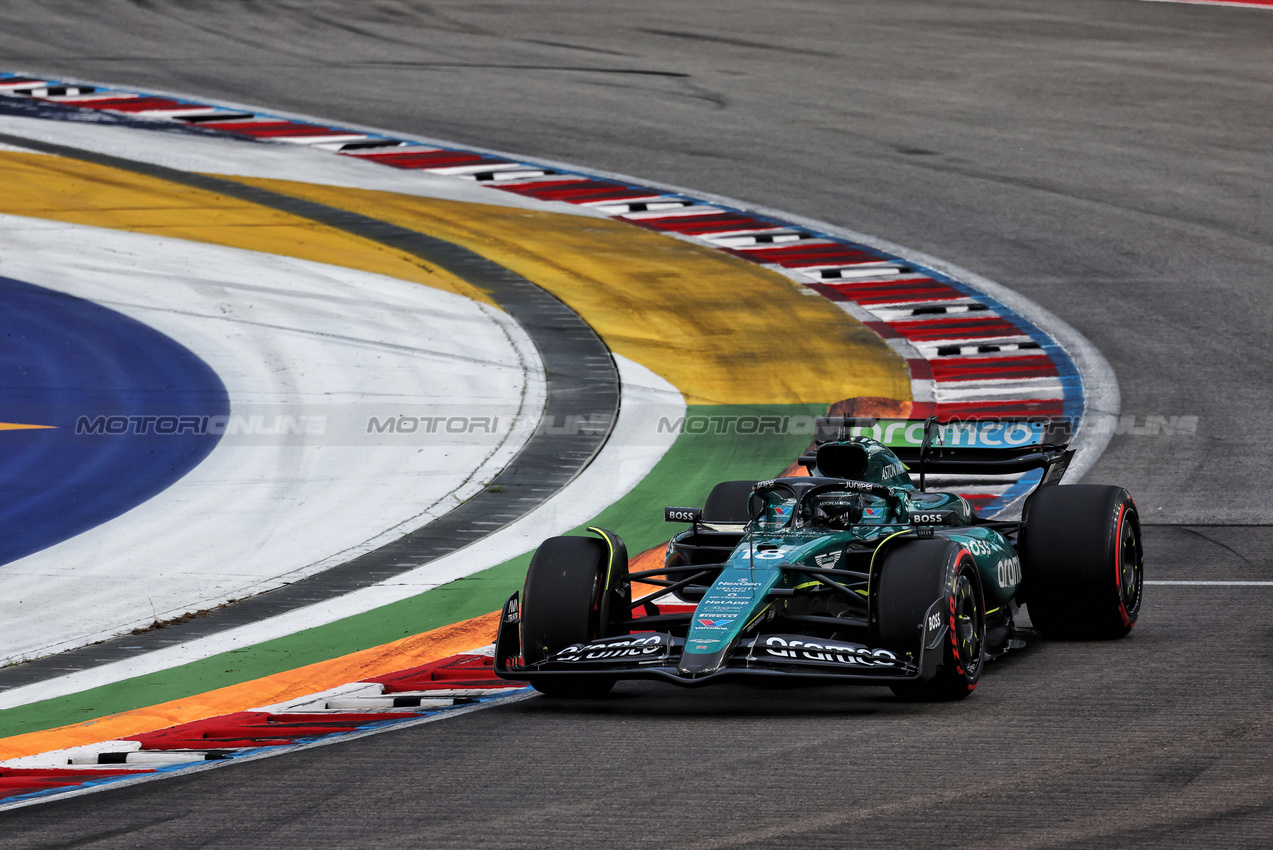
66 361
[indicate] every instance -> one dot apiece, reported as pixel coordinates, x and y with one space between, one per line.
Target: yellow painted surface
369 663
15 426
68 190
718 328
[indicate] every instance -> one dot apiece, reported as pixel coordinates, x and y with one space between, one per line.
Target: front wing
657 655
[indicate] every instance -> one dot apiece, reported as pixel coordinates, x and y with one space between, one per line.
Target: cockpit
785 504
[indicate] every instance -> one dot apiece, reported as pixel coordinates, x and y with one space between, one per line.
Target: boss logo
682 514
930 518
979 547
934 621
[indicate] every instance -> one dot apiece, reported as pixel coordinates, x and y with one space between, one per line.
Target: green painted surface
685 475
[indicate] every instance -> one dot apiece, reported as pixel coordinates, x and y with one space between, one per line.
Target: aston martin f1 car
851 573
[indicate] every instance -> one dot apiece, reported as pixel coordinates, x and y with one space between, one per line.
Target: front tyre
912 576
1082 562
563 603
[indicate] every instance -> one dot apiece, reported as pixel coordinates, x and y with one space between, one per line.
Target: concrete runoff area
1106 159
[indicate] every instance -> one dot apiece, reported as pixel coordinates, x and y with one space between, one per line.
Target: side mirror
682 514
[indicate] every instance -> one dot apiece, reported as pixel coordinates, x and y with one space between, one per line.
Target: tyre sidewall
562 598
914 575
1073 560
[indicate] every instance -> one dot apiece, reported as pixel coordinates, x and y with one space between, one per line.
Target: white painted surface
635 446
285 335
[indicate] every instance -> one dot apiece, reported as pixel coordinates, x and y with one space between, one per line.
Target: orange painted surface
377 661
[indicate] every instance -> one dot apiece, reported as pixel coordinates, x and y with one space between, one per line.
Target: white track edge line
1211 583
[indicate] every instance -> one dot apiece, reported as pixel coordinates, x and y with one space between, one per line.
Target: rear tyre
914 575
1082 562
562 603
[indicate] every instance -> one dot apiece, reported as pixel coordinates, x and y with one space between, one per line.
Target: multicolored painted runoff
732 329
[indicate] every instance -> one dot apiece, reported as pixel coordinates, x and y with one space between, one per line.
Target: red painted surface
899 292
978 500
15 781
530 188
1007 407
460 671
136 104
803 256
583 192
271 129
696 225
257 729
416 158
983 368
932 330
600 196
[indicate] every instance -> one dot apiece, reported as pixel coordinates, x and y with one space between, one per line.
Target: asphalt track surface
1108 159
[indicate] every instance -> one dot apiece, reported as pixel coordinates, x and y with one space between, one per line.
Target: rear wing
999 446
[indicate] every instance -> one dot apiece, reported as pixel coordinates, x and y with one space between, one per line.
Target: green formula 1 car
850 574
